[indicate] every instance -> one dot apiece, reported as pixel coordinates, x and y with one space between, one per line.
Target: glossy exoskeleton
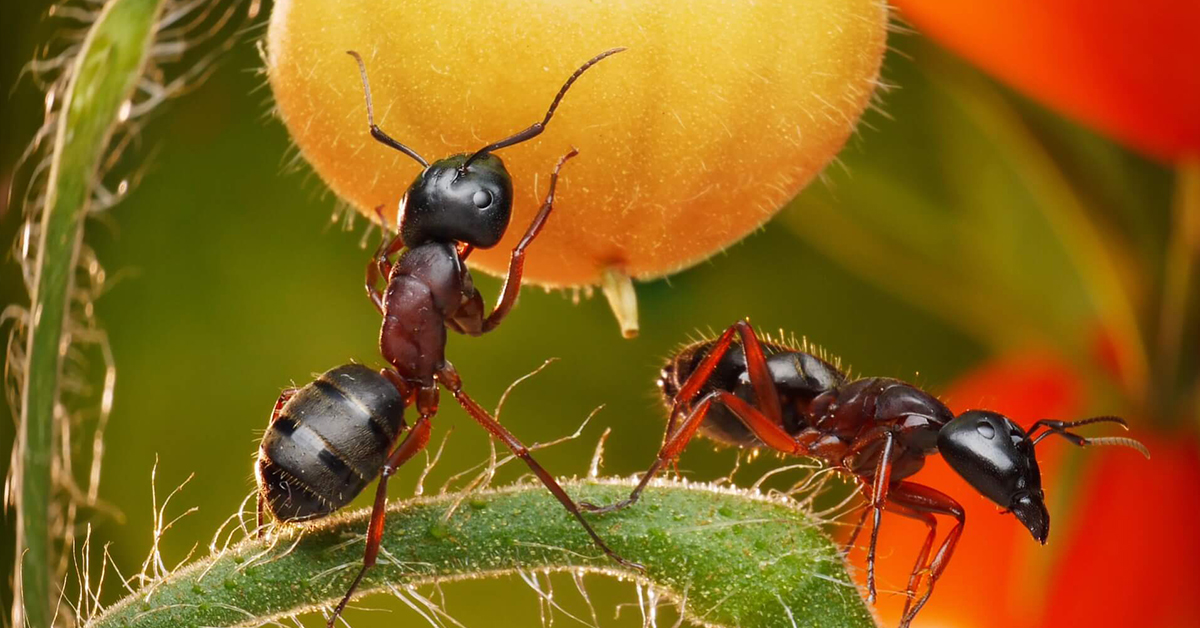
455 205
326 441
877 430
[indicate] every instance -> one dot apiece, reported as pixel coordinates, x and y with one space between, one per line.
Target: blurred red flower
1122 550
1127 69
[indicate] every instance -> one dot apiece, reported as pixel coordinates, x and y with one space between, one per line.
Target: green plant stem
102 78
738 559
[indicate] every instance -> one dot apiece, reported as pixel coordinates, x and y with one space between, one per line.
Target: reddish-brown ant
877 430
328 440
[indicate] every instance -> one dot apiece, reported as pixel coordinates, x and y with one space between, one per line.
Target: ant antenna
1060 428
537 127
377 132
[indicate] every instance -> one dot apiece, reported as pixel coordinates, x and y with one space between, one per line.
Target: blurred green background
230 281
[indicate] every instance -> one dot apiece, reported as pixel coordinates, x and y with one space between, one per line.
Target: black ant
328 440
878 430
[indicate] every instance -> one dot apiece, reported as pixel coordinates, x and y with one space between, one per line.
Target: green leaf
740 559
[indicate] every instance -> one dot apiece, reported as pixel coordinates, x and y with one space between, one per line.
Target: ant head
462 198
453 200
995 456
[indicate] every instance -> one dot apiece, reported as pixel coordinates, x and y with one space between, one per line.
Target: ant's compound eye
482 199
986 430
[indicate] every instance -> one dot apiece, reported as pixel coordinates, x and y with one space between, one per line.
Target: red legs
879 494
379 267
416 440
764 420
284 397
914 579
858 528
760 377
453 383
918 498
516 264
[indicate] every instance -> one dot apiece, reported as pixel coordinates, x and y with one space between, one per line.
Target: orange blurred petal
1128 69
1133 557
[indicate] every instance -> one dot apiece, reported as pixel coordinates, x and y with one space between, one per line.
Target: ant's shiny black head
463 198
448 202
995 456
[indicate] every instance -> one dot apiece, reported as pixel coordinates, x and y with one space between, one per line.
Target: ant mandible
328 440
876 429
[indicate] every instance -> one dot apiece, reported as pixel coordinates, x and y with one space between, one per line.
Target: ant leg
914 579
516 264
765 423
450 379
674 445
756 364
416 440
407 392
766 397
858 527
379 267
284 397
881 483
700 375
763 427
920 498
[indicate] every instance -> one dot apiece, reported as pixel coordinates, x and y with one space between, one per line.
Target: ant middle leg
449 378
416 440
516 264
880 485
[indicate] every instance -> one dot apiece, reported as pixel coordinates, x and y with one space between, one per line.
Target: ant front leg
449 378
923 499
284 397
416 440
516 264
379 267
914 579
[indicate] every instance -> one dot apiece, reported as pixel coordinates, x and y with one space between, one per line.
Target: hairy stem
102 79
738 559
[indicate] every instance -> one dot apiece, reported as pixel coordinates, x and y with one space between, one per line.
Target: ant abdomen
327 442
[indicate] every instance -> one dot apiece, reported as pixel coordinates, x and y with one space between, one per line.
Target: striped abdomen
329 441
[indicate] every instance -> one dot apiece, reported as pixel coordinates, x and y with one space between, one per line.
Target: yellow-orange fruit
717 114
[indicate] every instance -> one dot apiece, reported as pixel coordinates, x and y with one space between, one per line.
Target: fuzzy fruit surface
716 115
